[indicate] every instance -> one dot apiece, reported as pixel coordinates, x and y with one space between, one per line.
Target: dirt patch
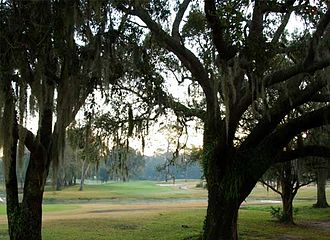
125 226
320 225
289 237
87 211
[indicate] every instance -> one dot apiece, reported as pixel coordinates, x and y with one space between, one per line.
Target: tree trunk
59 183
25 219
12 191
225 195
322 174
229 182
83 174
288 179
221 218
287 216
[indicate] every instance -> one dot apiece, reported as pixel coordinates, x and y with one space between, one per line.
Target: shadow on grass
194 237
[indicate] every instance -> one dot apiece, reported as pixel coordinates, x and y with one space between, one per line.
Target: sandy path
104 210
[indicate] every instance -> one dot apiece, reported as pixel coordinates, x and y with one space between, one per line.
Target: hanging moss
22 107
130 121
33 106
228 88
7 125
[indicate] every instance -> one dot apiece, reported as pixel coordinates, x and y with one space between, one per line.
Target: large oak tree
250 72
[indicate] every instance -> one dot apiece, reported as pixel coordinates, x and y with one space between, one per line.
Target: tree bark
225 195
322 174
229 183
222 213
83 174
288 180
12 193
25 219
287 216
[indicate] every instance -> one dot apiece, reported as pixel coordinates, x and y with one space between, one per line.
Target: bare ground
103 210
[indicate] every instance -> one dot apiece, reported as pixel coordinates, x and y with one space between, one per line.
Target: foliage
278 214
87 144
125 164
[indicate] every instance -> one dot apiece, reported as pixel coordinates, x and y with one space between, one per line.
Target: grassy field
116 191
146 210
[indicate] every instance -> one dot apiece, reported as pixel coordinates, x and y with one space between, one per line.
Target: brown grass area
87 211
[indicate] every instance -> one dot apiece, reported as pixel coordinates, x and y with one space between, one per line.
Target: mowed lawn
102 212
137 190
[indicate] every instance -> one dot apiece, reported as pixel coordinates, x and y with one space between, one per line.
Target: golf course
153 210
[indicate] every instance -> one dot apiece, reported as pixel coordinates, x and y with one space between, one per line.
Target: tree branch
279 7
225 50
294 98
181 109
303 184
281 28
284 133
284 74
178 18
317 36
322 98
188 59
169 102
256 38
270 186
304 151
29 139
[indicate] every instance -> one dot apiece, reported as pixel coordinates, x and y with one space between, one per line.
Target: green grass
122 191
48 208
154 225
255 222
305 193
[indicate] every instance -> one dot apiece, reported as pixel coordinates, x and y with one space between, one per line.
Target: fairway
150 210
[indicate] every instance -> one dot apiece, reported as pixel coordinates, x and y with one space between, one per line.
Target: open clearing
146 210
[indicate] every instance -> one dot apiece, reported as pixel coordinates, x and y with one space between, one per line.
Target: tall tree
231 51
53 53
89 147
321 166
286 179
322 174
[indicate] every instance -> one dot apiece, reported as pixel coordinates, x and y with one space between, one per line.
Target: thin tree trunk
13 210
288 179
83 175
287 217
322 174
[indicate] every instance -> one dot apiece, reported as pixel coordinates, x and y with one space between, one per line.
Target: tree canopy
252 83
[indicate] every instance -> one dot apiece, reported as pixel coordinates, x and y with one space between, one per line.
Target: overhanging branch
293 99
284 74
188 58
284 133
304 151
